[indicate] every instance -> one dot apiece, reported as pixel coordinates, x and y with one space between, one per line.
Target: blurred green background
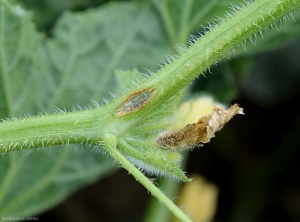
254 160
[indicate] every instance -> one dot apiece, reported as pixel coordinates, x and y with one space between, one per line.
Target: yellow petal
198 199
192 110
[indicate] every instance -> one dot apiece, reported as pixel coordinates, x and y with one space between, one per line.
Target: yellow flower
198 199
191 111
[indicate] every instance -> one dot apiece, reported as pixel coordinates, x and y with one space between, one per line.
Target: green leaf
86 49
74 66
31 183
183 18
18 39
187 17
47 11
128 79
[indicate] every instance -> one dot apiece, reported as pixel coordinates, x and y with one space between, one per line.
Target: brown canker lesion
135 101
200 132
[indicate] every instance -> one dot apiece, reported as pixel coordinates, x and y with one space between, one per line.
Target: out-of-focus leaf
47 11
31 183
18 40
74 66
127 79
183 18
88 46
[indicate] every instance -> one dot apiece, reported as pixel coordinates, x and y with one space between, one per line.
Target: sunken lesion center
135 101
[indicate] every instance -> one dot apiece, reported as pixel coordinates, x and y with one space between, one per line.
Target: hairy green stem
89 126
155 212
48 130
110 143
